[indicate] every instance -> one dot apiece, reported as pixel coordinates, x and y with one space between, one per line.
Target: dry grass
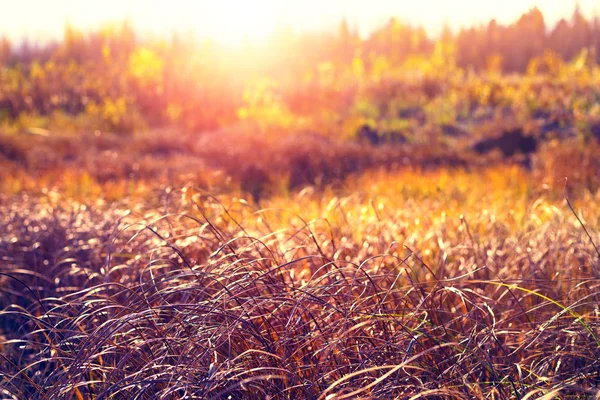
439 285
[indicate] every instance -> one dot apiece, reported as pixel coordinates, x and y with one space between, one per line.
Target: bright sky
231 21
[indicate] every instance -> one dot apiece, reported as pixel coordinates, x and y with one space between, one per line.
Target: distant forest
122 81
516 44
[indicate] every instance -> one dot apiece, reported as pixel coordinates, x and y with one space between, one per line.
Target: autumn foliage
116 80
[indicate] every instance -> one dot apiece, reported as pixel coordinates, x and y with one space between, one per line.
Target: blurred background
191 86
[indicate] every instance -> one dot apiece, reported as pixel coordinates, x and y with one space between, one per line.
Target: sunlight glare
238 22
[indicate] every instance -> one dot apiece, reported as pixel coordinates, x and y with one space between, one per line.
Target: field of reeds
362 225
444 284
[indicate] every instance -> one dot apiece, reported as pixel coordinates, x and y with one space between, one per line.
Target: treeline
114 79
529 37
508 47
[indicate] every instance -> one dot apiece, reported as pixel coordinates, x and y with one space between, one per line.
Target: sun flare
236 22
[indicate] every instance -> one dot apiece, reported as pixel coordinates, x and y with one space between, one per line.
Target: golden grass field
447 284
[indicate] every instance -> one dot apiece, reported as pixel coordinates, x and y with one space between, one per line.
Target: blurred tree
580 33
560 38
6 55
347 43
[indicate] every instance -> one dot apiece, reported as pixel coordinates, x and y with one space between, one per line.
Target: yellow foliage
381 66
494 64
326 71
263 105
106 52
358 68
174 112
37 72
549 64
146 66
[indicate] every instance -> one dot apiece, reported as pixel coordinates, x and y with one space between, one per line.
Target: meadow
424 227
